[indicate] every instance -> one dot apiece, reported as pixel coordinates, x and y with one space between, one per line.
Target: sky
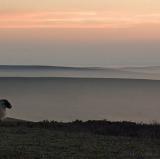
80 33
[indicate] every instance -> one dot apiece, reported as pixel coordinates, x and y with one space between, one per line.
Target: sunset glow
76 19
81 32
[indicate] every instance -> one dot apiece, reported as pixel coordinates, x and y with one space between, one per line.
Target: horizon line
72 66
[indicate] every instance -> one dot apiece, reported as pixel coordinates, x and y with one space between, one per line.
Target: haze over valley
68 93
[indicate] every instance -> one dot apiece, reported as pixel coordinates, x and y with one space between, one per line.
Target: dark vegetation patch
79 140
100 127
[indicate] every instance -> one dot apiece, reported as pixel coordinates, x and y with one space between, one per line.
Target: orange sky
72 31
140 18
78 14
107 25
76 19
134 6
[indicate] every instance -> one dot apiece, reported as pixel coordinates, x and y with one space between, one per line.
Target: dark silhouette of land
79 140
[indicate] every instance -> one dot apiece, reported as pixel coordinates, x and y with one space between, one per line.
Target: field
76 140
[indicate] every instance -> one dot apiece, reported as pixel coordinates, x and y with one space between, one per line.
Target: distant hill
150 72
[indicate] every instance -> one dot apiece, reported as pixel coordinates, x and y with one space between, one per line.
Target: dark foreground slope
79 140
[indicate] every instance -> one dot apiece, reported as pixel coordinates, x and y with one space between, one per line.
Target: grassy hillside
79 140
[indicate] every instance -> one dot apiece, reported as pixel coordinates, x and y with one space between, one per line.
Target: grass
22 141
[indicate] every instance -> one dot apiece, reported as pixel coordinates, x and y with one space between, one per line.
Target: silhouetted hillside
101 127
